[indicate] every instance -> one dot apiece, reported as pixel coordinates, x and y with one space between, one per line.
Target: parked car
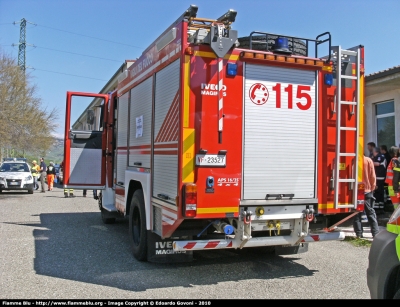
383 273
15 174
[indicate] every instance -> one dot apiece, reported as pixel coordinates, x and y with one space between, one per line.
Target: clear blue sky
111 31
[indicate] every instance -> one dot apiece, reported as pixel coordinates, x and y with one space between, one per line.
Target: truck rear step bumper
254 242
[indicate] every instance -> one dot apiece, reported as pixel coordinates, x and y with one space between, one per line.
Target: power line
86 55
61 73
105 40
90 56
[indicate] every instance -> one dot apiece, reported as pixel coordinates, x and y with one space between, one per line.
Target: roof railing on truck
271 43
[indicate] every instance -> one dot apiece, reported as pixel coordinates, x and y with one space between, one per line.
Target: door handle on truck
137 163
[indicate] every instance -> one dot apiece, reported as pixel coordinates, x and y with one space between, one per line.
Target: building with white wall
382 108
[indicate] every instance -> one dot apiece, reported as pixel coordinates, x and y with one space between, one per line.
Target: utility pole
22 43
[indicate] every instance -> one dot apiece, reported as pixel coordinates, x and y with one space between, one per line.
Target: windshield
14 167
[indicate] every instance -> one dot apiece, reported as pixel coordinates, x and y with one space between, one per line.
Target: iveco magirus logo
165 248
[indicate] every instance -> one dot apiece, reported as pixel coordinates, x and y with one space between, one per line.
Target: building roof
383 73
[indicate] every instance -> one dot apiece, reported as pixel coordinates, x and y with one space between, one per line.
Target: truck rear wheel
137 226
30 191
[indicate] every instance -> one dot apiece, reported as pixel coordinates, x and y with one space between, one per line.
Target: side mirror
90 117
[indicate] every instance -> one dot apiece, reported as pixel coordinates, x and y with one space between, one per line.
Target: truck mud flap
290 250
161 251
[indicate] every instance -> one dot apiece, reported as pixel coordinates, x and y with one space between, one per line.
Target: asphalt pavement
58 248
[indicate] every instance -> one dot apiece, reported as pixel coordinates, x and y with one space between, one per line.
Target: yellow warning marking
188 156
206 54
361 129
342 166
217 210
186 91
332 206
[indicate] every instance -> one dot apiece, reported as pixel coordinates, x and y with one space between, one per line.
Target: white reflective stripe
329 236
220 93
254 242
380 178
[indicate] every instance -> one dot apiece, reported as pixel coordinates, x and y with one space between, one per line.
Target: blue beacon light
231 69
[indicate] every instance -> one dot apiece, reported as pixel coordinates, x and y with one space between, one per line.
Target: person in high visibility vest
393 226
35 174
384 261
393 176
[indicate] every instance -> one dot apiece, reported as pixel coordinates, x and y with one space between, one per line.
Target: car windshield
14 167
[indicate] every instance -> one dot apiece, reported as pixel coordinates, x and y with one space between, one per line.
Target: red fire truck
214 141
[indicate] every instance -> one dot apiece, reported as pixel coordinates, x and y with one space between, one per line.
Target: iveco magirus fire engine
215 141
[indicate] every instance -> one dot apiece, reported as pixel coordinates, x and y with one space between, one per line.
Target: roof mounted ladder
339 56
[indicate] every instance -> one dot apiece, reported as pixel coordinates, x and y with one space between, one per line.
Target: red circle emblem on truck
258 93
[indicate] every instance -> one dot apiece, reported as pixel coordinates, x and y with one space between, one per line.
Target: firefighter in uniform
380 172
67 192
393 176
71 193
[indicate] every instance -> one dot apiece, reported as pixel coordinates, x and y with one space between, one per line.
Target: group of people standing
381 169
387 171
40 172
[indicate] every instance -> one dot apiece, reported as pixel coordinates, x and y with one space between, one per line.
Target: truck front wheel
137 226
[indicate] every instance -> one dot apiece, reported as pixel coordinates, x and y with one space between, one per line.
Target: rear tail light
190 200
360 197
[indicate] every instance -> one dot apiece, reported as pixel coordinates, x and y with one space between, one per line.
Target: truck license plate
210 160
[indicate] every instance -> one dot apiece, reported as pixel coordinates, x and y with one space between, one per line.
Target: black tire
30 191
1 191
137 226
105 219
259 43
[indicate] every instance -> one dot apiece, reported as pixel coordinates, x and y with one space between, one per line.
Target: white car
16 175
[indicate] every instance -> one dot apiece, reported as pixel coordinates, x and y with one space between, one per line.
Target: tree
25 124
